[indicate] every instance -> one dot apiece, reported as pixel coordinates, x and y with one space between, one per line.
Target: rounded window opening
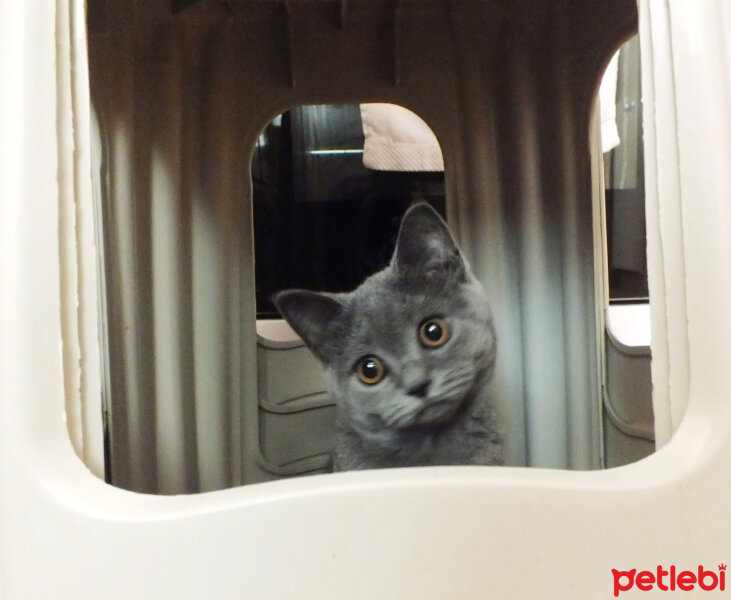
628 419
331 185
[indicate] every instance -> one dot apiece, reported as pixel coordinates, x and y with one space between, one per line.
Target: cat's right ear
318 318
426 248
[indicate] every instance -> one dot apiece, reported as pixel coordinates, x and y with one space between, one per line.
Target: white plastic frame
456 532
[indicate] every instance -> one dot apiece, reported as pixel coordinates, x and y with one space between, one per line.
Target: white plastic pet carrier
140 396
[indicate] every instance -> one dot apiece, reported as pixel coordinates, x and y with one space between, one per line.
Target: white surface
78 249
276 330
398 140
421 533
607 105
630 323
666 76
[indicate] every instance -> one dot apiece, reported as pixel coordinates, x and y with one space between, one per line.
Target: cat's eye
370 370
433 332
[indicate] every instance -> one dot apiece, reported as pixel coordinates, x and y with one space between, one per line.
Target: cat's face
407 347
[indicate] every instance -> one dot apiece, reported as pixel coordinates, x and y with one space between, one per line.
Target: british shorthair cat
408 355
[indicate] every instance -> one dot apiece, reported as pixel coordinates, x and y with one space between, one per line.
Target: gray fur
383 425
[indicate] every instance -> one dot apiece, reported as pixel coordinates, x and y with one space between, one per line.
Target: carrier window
322 219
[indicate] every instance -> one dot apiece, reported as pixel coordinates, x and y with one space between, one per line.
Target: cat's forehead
386 298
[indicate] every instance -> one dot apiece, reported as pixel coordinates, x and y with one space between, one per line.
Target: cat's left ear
318 318
426 248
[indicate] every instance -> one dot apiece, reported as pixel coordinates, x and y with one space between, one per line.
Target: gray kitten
408 355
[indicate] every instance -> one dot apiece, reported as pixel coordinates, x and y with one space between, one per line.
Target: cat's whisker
458 375
453 391
400 414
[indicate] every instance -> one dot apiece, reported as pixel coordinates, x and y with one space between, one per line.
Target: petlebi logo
670 579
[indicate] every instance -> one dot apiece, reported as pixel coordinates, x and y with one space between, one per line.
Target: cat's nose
421 389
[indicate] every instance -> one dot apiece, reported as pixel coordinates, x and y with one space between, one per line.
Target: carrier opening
209 205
